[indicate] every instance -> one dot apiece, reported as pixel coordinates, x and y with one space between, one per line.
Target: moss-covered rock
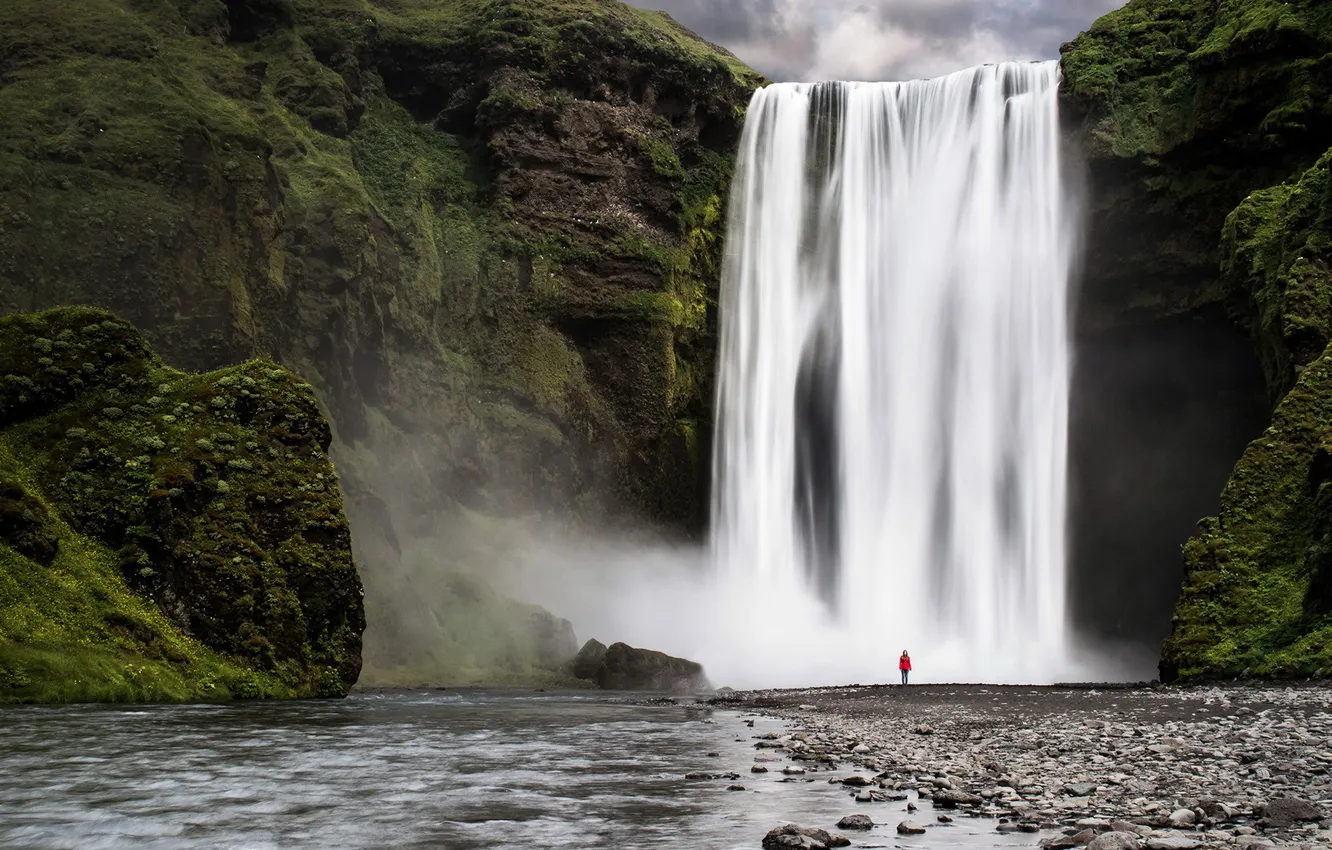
1207 127
1183 108
164 535
487 231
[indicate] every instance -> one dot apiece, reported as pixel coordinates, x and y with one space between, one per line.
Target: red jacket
904 663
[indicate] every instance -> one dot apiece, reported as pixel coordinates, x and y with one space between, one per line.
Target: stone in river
1115 841
802 838
950 799
735 787
907 827
855 822
793 771
1284 812
858 781
758 768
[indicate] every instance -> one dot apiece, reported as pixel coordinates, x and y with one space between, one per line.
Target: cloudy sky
882 39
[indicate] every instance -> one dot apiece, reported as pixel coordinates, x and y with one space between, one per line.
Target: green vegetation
486 231
1206 123
139 505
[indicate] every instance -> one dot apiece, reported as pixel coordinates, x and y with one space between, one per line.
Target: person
904 664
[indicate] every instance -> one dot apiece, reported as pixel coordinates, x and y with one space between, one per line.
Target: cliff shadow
1162 408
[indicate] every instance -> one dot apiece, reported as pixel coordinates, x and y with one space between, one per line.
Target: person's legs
904 677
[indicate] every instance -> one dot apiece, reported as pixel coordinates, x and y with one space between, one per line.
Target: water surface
420 770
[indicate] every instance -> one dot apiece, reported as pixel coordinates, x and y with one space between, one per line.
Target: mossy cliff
1207 127
487 231
164 535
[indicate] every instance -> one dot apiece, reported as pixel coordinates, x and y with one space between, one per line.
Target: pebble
1161 768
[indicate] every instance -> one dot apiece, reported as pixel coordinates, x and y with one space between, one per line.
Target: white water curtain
895 364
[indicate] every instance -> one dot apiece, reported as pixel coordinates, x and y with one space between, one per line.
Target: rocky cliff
164 535
486 231
1207 127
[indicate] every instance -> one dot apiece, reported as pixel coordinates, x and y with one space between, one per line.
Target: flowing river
414 770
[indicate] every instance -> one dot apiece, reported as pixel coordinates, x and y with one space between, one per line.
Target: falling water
895 364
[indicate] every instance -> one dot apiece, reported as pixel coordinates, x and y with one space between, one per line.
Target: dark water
410 771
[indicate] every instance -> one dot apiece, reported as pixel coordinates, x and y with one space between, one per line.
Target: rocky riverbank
1107 768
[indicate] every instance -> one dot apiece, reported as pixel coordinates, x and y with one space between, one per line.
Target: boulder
621 667
588 660
855 822
949 798
1284 812
908 827
792 837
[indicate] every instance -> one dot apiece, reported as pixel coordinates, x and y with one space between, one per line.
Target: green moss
1276 249
380 195
1249 605
165 503
1155 74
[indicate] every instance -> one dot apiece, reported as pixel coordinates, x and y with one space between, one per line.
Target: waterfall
895 366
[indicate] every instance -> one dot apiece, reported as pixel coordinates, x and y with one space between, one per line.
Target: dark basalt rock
1206 129
624 668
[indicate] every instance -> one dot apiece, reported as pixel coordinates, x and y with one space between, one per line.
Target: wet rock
735 787
1173 842
943 819
1115 841
857 781
855 822
792 837
1080 789
908 827
951 799
1284 812
758 768
793 771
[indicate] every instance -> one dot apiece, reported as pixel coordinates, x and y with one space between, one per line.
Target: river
413 770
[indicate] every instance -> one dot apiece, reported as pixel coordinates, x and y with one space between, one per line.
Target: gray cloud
882 39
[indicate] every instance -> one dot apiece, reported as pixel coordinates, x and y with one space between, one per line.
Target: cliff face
485 230
164 535
1207 127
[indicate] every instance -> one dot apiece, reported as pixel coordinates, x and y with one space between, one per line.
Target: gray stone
855 822
1174 842
949 799
1285 812
1115 841
1183 817
792 837
908 827
1081 789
